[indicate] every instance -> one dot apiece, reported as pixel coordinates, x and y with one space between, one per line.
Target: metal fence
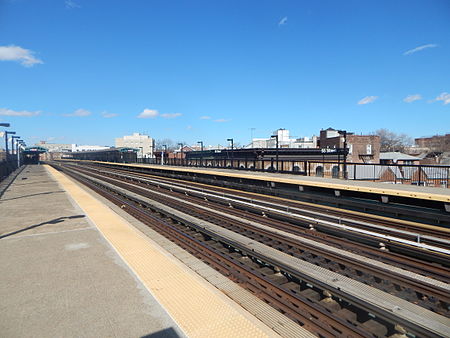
282 166
6 168
423 175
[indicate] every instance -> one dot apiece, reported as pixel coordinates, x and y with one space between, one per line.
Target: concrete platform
60 276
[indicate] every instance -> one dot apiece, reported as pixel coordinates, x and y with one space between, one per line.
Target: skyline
86 73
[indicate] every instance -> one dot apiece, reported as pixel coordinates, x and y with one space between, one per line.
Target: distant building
361 148
284 141
143 143
432 150
56 147
437 143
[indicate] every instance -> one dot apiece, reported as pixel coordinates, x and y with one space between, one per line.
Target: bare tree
391 141
171 145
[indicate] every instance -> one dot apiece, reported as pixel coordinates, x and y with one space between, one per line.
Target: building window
369 149
350 149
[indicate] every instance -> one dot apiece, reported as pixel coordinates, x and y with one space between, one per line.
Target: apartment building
143 143
361 148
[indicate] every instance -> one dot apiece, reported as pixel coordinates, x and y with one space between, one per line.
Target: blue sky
83 71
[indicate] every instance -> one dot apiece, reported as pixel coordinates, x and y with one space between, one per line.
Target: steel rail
389 275
317 221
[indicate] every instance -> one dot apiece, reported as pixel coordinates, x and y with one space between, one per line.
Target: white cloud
107 115
19 54
444 97
71 4
205 117
170 116
148 114
189 127
367 99
412 98
221 120
283 21
417 49
10 112
79 113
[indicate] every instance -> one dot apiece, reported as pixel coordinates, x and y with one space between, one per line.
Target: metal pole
18 156
181 152
12 146
276 146
232 146
277 152
201 149
345 154
6 145
162 154
15 140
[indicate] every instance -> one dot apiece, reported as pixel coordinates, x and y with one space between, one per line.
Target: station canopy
34 150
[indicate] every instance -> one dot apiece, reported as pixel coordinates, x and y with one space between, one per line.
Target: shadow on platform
53 221
41 193
166 333
30 183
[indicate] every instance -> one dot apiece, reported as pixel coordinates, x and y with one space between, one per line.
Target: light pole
19 148
181 152
232 147
344 133
6 142
276 138
162 153
15 139
232 143
201 149
6 139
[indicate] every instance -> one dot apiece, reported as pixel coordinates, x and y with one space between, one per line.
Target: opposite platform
398 190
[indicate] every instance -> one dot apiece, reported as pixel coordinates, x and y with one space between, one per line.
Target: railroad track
372 273
337 225
338 306
409 229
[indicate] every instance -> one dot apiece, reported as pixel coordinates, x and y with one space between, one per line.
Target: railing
423 175
6 168
283 166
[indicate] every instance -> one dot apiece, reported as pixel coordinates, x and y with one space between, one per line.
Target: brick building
439 143
361 148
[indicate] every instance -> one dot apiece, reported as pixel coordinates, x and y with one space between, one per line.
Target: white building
143 143
284 141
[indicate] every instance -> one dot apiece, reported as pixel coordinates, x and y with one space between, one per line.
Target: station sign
328 150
